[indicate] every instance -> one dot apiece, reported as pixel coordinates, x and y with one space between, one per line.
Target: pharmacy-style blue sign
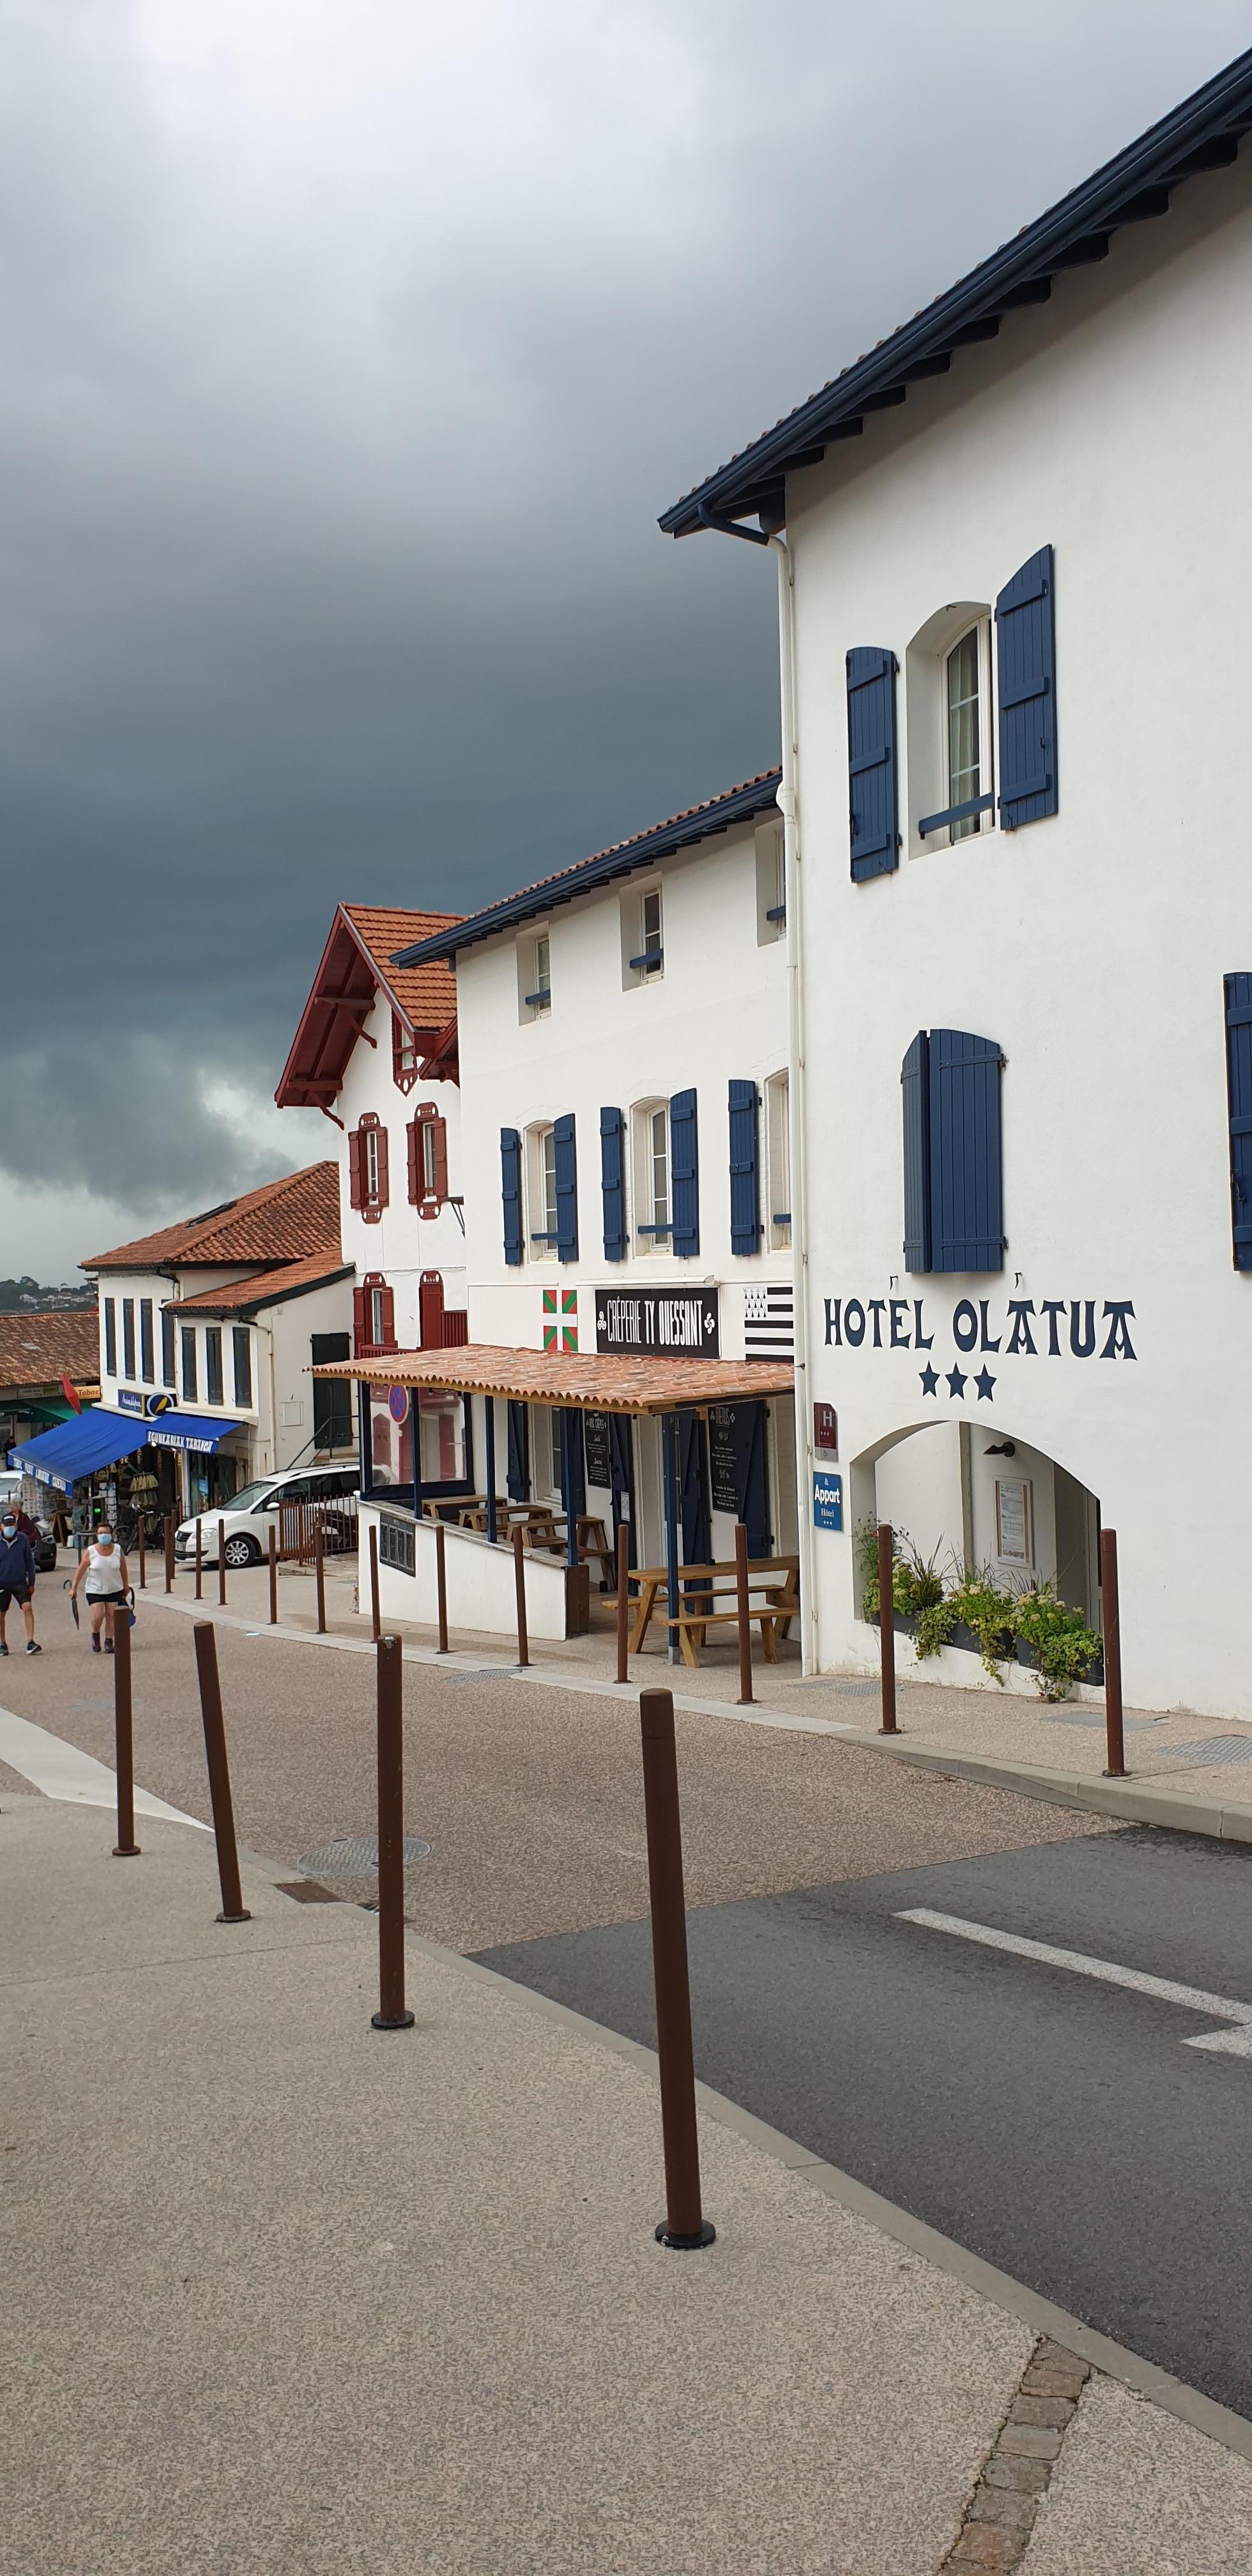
827 1501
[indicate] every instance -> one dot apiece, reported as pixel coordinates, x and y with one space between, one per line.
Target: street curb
1175 2396
1133 1801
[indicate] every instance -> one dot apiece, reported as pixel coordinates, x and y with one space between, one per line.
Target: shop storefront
130 1469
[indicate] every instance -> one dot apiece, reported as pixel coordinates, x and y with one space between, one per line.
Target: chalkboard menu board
596 1433
722 1458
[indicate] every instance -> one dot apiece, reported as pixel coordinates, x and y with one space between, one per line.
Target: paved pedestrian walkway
1192 1772
283 2292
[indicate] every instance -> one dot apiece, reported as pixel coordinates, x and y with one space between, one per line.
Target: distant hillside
26 1297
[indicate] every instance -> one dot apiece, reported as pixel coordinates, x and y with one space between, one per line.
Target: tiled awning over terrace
572 1380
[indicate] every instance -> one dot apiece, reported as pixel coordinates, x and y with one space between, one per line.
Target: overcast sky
350 349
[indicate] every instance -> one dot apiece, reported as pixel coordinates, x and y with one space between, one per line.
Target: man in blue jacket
17 1578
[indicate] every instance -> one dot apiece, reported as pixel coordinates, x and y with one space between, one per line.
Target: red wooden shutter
414 1135
355 1189
381 1200
440 1142
430 1309
389 1319
359 1331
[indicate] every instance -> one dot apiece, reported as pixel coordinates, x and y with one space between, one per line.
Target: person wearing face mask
17 1578
102 1570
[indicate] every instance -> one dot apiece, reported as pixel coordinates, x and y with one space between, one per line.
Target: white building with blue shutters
1016 585
623 1038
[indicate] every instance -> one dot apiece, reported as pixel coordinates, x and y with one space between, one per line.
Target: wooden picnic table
543 1526
774 1580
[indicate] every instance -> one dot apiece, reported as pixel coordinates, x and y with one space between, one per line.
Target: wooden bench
702 1586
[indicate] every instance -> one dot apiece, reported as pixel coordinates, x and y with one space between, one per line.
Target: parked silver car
251 1513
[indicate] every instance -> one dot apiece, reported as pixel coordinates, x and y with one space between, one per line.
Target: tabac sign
658 1323
979 1330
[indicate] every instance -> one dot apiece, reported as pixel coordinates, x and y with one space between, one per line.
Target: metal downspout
788 805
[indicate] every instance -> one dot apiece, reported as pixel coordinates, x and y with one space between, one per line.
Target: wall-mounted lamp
1000 1449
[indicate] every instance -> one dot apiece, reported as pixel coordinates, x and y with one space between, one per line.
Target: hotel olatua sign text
667 1323
978 1329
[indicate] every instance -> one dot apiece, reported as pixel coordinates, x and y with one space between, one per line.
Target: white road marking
61 1771
1228 2043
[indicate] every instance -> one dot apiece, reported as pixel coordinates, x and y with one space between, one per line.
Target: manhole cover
356 1856
1212 1748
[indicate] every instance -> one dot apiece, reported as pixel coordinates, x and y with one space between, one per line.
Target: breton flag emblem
562 1336
769 1331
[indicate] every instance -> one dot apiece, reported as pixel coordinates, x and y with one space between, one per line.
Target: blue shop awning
92 1439
200 1431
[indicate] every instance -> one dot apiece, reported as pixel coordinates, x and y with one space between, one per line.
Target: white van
249 1516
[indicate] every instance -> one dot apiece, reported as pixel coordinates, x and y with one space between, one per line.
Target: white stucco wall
481 1585
1112 424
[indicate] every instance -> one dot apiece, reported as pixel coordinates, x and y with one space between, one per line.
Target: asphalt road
1058 2126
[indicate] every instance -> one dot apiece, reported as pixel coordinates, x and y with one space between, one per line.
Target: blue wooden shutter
915 1086
684 1165
511 1193
613 1183
1026 656
873 798
693 1490
1239 1083
566 1190
966 1197
752 1475
519 1453
745 1183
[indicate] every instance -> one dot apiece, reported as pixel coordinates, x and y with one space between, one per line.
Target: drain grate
1091 1717
306 1891
1212 1748
356 1856
855 1690
482 1673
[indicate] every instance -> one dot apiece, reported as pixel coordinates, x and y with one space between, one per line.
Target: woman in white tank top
102 1572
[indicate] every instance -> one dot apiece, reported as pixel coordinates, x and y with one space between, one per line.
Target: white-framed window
951 729
534 976
771 884
369 1151
967 707
777 1164
426 1147
643 936
378 1318
541 1193
651 1158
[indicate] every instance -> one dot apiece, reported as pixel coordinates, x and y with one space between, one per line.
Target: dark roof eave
1203 133
664 840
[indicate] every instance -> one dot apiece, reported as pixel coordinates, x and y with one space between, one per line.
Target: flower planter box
966 1641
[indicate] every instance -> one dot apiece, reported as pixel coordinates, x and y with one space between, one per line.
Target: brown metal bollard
519 1579
441 1587
319 1568
221 1565
273 1576
143 1574
233 1908
374 1609
1115 1742
886 1626
392 2013
623 1600
169 1551
684 2225
744 1622
126 1847
199 1559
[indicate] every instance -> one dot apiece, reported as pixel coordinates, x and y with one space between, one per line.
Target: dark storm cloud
349 357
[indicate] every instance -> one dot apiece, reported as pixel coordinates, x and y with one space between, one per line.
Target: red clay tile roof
355 965
37 1350
285 1220
596 1382
266 1287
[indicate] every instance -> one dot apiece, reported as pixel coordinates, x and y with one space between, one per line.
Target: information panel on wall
722 1459
596 1437
658 1323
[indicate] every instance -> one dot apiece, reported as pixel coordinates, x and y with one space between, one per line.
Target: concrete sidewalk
1185 1771
285 2293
